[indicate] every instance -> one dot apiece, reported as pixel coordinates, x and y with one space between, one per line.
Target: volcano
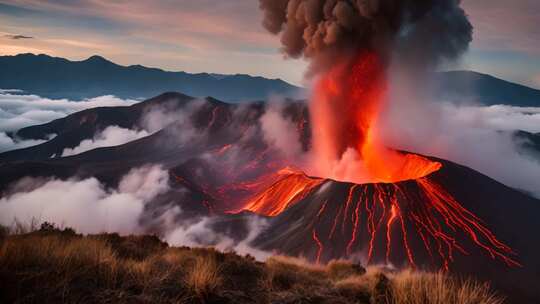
433 215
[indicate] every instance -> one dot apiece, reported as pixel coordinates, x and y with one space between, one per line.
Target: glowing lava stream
290 187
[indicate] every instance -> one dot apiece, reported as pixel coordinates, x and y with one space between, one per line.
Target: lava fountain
344 109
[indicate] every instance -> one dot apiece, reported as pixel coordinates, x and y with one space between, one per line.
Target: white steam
468 135
280 132
201 234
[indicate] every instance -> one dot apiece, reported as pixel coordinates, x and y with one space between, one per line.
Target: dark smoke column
350 44
320 29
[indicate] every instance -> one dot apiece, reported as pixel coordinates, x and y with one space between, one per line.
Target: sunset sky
226 36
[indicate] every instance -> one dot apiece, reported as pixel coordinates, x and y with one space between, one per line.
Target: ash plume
432 30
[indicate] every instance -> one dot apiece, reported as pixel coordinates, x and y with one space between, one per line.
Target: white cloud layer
18 111
86 205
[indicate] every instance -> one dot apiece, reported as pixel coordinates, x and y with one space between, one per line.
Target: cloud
89 207
202 234
18 110
85 205
492 34
17 37
8 143
111 136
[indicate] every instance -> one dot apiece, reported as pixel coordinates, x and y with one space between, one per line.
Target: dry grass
63 267
416 287
205 277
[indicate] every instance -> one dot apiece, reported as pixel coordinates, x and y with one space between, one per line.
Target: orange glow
391 219
345 108
290 187
320 247
425 212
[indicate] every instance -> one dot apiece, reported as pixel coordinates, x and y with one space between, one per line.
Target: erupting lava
345 109
392 193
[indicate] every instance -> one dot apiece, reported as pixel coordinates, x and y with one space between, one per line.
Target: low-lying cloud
18 110
8 143
85 205
89 207
111 136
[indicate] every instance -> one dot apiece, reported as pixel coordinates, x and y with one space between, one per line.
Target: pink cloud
505 25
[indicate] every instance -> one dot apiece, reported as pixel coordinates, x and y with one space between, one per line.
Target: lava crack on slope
392 213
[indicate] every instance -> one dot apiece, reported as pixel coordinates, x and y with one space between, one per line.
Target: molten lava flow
320 246
289 188
419 212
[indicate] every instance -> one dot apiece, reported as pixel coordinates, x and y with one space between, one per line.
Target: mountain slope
309 229
468 86
71 130
60 78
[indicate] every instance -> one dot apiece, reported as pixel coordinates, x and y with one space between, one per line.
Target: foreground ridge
52 265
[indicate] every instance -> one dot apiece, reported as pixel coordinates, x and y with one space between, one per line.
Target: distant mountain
54 77
96 76
468 86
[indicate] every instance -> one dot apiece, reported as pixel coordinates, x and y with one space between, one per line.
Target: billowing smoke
322 29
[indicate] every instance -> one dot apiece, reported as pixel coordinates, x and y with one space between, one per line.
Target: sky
227 36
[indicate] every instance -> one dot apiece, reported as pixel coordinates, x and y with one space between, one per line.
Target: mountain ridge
56 77
462 86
